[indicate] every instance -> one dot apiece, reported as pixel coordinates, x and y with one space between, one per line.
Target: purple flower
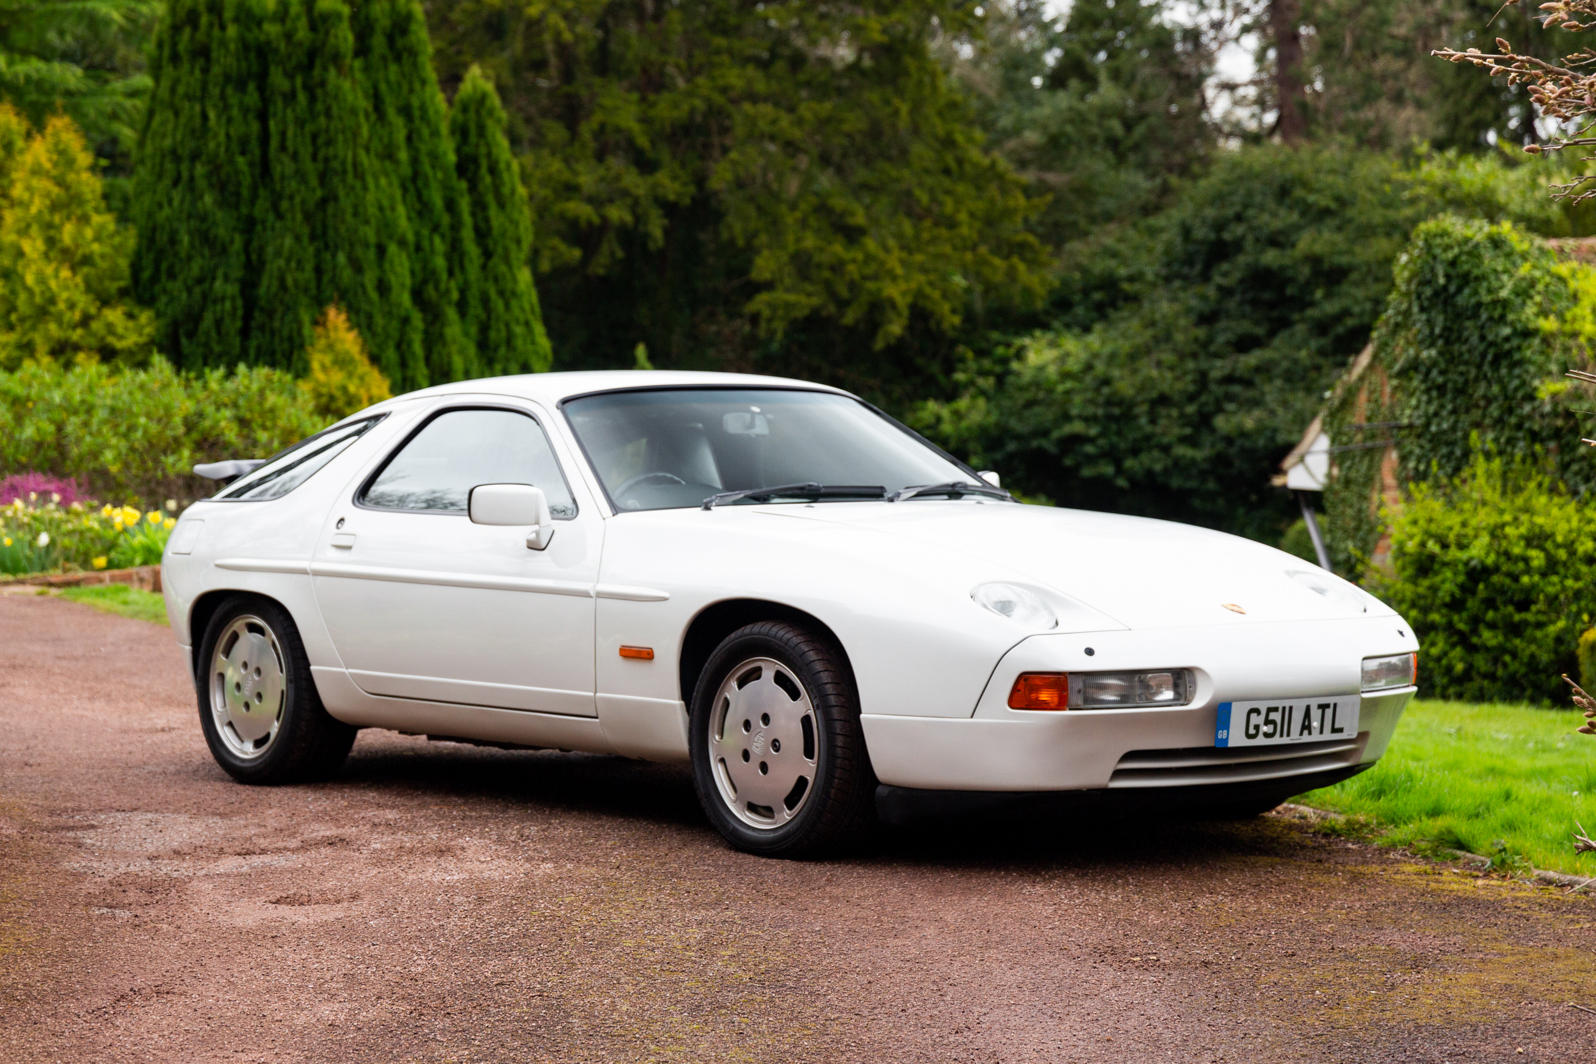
19 485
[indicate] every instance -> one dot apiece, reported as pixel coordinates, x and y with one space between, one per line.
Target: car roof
553 387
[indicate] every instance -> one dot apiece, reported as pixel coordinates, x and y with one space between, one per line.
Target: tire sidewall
270 765
736 649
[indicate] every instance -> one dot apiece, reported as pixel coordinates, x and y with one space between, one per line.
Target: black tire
304 742
837 805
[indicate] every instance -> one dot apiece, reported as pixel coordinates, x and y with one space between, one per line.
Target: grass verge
120 599
1504 782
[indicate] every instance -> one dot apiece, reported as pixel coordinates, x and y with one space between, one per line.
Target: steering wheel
633 482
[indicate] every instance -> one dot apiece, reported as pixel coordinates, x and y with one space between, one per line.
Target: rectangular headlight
1393 670
1123 690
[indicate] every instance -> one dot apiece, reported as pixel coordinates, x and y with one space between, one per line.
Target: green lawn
120 599
1506 782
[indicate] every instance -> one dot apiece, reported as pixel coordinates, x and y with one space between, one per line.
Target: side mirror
513 504
990 477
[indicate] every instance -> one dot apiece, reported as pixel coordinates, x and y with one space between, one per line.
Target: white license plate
1287 720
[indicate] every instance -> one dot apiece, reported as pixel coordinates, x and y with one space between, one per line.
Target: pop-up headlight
1020 605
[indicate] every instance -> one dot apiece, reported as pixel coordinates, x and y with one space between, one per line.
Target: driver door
422 603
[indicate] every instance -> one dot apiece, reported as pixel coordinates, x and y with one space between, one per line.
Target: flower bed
41 533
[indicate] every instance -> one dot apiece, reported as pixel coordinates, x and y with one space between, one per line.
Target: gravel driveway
439 902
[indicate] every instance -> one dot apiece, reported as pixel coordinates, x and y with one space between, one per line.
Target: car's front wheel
258 705
779 757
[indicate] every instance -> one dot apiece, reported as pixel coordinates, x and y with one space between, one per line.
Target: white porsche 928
771 580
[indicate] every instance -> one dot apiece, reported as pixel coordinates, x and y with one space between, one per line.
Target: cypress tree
200 164
506 321
295 155
419 190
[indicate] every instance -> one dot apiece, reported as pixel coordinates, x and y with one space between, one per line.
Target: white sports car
773 580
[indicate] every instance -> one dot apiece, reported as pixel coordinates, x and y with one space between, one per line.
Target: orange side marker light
1040 690
640 653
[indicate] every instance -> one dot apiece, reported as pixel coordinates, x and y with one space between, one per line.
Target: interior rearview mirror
513 504
745 423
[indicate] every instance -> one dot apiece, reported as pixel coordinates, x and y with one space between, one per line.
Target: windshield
659 449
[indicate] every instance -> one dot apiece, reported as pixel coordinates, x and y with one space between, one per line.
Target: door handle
343 540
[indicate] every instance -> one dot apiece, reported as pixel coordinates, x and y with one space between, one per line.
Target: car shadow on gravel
547 780
1036 835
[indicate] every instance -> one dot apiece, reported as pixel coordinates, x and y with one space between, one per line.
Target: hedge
1494 573
136 434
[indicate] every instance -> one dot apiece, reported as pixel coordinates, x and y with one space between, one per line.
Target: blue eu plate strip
1222 729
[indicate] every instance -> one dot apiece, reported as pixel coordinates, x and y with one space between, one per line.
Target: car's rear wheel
779 757
262 717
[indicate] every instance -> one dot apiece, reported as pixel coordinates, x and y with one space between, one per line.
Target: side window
459 449
288 470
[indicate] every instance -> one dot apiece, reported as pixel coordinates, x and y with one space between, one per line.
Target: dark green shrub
1493 571
136 435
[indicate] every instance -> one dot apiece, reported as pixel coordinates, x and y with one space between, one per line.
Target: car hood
1141 572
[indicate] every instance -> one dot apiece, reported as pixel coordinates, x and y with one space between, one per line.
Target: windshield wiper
955 488
807 490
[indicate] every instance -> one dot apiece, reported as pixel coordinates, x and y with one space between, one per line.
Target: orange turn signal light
1040 690
640 653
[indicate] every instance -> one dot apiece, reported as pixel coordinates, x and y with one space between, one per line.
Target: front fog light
1394 670
1020 605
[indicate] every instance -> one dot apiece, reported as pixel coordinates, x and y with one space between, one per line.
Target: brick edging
144 577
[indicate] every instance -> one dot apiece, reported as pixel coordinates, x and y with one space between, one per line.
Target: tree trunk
1283 18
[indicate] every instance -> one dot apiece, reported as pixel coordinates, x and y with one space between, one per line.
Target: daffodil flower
101 562
8 541
44 539
170 523
153 517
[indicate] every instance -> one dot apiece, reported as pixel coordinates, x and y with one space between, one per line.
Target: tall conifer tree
506 321
196 186
410 135
295 155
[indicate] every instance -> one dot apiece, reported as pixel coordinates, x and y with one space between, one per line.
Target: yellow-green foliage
342 378
1587 659
63 260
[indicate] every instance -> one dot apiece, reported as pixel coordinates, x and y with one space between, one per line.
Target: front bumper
999 749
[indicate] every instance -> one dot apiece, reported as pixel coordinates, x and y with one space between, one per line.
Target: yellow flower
100 562
130 516
169 523
8 541
106 510
153 517
116 522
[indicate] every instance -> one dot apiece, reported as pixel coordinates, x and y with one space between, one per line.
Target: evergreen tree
295 155
63 260
419 194
786 186
506 321
200 173
340 378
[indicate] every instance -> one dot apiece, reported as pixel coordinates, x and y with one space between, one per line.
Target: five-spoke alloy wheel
778 755
259 709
